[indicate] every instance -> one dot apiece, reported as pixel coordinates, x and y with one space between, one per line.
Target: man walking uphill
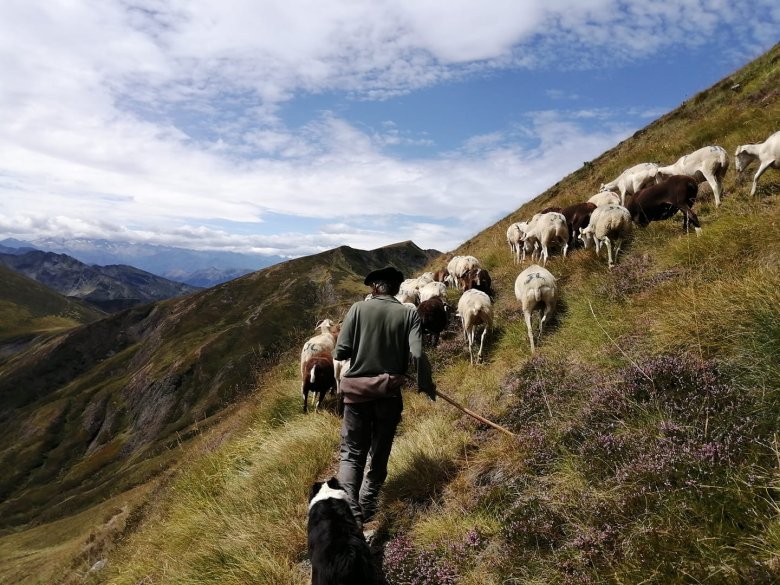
378 335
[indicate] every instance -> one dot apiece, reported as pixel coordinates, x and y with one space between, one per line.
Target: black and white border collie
338 550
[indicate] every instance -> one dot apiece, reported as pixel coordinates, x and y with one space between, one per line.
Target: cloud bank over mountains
238 125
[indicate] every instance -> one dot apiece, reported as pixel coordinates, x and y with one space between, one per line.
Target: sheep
322 343
577 217
433 314
441 275
610 224
319 377
424 279
475 309
528 246
536 289
457 267
605 198
547 229
514 239
450 278
433 289
662 201
408 298
706 164
478 278
408 292
767 154
531 247
340 369
325 341
632 180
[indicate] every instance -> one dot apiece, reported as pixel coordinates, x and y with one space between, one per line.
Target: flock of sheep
656 193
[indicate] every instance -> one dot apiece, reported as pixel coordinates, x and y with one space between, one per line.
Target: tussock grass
424 459
222 510
67 548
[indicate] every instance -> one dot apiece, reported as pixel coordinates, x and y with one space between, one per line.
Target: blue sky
292 127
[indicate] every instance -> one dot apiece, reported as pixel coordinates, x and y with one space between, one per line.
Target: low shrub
407 564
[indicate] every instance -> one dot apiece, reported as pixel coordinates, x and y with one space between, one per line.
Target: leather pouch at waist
364 389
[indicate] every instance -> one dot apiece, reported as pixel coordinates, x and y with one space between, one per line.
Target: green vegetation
28 308
646 449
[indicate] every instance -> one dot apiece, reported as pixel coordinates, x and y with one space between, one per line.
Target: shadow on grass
421 480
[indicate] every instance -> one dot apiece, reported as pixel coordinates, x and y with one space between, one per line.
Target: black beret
386 274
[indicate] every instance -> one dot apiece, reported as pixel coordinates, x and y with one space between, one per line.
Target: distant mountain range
101 405
194 267
110 288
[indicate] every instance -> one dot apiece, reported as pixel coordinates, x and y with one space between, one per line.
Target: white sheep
433 289
610 225
424 279
457 267
449 278
767 154
605 198
536 289
464 264
546 230
528 246
340 369
408 291
706 164
514 235
475 309
514 239
632 180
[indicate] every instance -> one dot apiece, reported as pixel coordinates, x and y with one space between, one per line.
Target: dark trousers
368 429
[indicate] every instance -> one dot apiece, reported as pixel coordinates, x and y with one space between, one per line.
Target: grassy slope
27 308
113 405
647 449
101 407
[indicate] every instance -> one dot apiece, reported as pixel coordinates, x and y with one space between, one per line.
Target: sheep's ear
319 324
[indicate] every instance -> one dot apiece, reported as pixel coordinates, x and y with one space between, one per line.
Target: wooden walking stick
474 414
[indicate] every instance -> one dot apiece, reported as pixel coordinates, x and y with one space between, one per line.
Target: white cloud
350 180
145 120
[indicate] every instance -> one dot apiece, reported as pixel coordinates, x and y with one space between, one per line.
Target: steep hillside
110 288
207 277
28 309
646 448
101 405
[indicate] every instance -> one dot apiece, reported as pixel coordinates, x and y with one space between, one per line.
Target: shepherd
378 335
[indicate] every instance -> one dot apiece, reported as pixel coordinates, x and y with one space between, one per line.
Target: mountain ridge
110 288
175 263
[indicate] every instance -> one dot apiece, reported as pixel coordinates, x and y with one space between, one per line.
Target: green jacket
379 335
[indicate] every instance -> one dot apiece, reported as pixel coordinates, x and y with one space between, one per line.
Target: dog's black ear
315 489
334 484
